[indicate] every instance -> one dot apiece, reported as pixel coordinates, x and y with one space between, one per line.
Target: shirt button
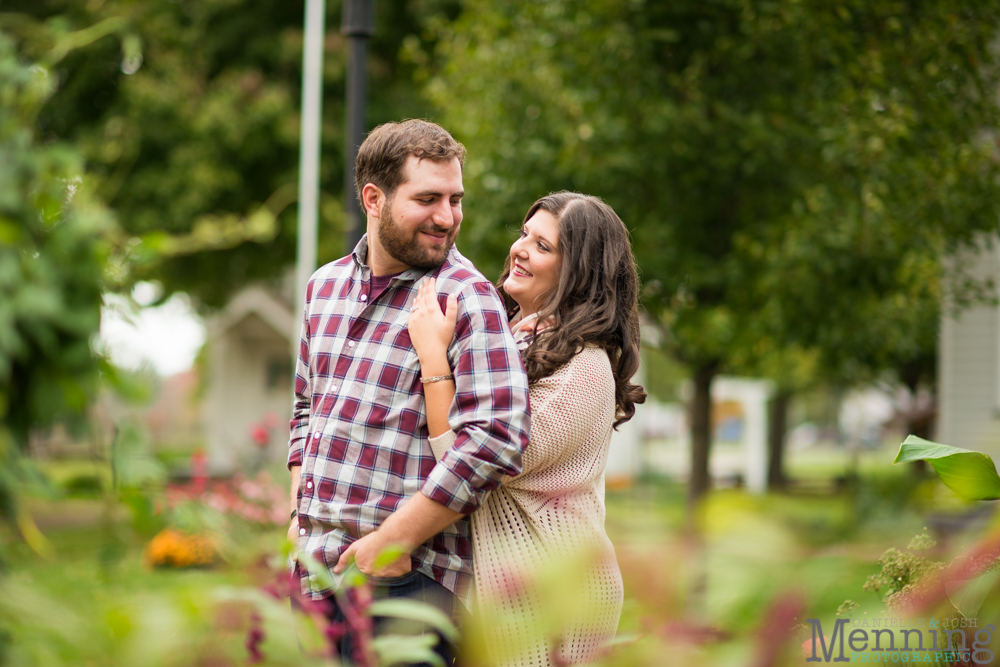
309 485
316 435
333 388
364 297
350 343
302 531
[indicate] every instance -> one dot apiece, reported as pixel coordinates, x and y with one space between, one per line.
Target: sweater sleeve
571 416
442 443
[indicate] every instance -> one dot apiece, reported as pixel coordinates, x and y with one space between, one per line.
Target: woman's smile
520 271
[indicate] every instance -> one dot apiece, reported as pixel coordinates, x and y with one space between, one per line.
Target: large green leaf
968 595
970 474
407 650
415 610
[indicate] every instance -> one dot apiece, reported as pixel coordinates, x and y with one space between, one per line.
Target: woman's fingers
451 311
426 298
430 293
419 308
426 293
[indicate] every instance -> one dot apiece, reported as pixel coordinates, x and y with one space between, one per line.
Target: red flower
260 435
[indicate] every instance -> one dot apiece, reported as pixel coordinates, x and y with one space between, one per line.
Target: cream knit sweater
547 582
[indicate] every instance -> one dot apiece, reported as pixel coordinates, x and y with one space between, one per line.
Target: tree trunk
917 422
701 431
777 429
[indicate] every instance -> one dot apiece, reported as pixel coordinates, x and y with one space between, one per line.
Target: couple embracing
464 423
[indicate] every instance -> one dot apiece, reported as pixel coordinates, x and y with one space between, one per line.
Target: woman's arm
431 331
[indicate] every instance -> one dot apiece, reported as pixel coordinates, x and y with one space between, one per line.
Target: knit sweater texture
546 579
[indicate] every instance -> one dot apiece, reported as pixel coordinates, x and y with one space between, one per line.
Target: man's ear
373 198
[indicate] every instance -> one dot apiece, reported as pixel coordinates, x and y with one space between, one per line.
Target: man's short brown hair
383 154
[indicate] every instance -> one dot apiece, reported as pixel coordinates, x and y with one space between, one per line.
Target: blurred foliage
137 478
755 550
792 171
57 250
67 610
53 252
663 375
190 124
124 612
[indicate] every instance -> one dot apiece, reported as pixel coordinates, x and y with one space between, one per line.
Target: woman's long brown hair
596 299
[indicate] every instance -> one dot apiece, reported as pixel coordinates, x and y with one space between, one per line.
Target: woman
571 289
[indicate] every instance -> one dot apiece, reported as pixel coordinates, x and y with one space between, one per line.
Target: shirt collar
360 256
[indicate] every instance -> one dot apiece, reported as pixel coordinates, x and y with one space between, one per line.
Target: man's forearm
294 495
418 520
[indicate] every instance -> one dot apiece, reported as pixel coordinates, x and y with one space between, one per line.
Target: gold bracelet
437 378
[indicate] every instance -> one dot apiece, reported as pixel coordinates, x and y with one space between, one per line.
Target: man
363 474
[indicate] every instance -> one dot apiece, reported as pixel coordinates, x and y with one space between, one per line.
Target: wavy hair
595 300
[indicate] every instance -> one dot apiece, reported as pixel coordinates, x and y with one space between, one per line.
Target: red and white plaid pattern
359 426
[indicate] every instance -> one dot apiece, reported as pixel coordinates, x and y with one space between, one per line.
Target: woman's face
534 262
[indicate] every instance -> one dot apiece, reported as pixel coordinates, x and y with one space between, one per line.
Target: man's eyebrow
429 193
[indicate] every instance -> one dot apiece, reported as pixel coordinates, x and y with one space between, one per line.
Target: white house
969 366
248 399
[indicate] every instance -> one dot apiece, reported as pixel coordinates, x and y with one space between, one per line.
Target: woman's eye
541 246
523 234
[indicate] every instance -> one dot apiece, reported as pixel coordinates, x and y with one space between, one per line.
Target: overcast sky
167 337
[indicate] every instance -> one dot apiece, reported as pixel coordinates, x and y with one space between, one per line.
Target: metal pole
358 25
309 146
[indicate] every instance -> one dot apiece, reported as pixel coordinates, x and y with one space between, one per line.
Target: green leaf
972 475
317 570
389 555
414 610
406 650
967 595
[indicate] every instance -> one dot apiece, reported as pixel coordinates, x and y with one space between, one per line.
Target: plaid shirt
359 425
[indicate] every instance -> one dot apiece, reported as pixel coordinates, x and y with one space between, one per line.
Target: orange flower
173 548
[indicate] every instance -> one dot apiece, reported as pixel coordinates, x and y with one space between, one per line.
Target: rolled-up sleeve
299 424
490 414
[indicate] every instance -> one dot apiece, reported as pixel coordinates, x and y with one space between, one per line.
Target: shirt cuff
452 489
442 443
295 451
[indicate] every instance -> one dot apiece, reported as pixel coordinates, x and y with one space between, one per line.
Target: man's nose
443 215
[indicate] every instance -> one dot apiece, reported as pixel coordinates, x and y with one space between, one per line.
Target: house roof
259 301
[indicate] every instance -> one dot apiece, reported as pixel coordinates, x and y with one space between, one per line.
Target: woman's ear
372 199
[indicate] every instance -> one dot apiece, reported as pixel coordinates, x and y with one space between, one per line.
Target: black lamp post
358 25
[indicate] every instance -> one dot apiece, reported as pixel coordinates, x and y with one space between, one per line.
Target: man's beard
409 250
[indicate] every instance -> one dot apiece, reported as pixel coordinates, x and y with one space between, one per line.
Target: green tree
54 251
59 250
791 170
187 114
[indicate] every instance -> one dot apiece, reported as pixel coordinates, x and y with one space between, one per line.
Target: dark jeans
416 586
